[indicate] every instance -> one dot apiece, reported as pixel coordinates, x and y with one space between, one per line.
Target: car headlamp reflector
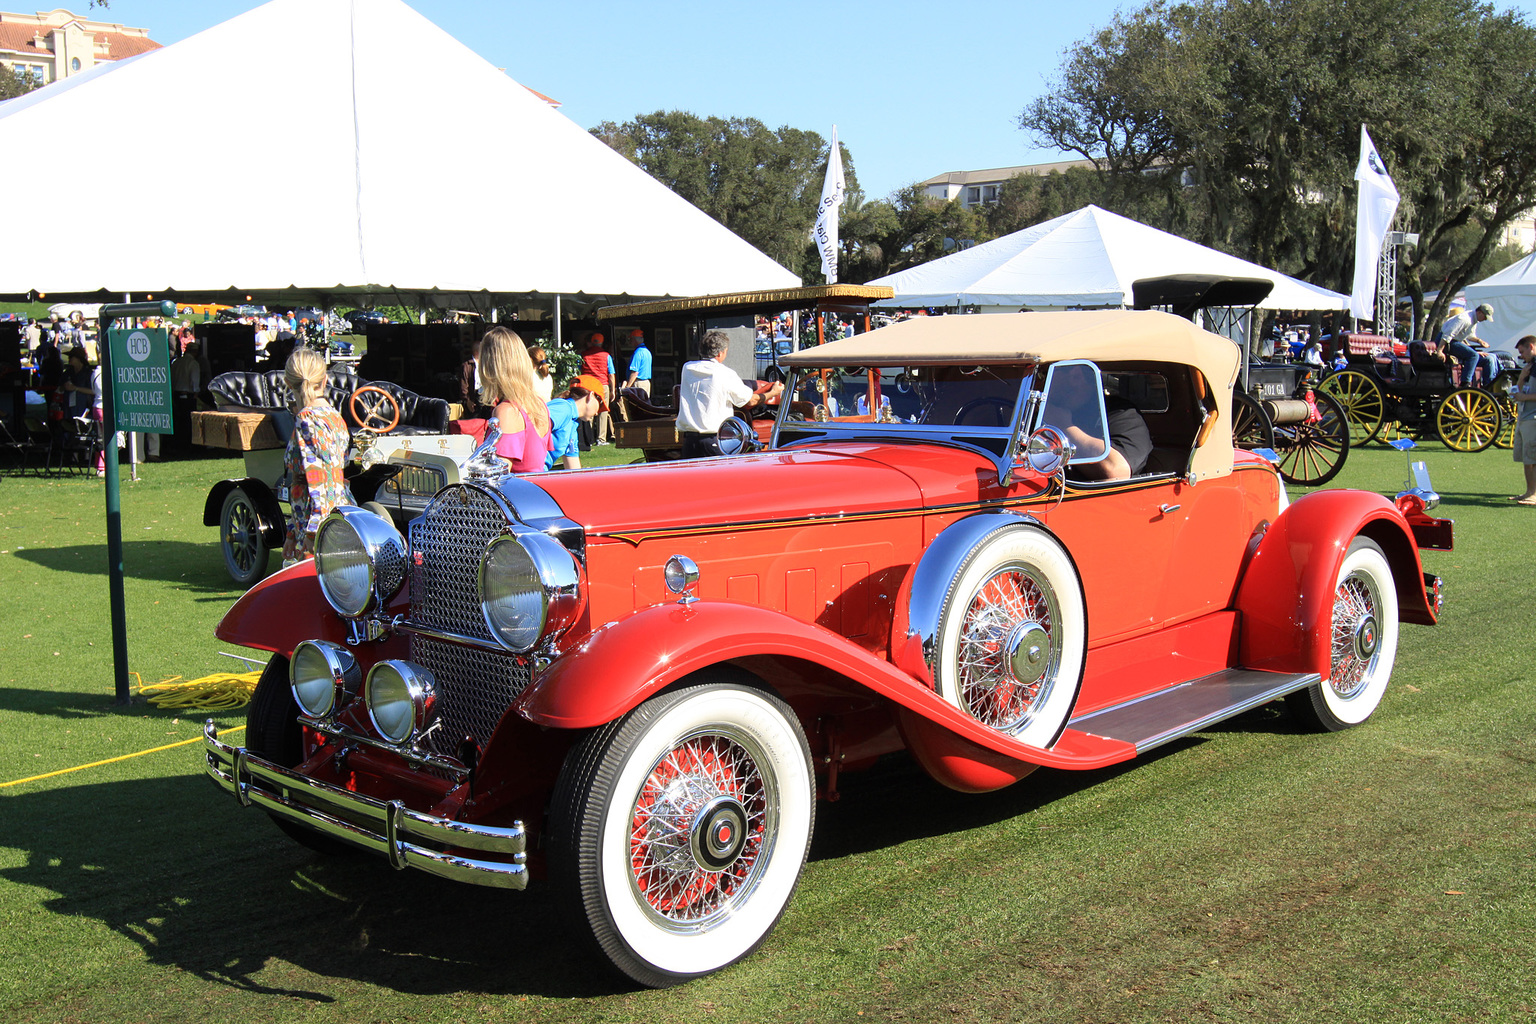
323 675
530 587
359 560
401 700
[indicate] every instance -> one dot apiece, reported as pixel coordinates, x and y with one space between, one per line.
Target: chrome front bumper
390 829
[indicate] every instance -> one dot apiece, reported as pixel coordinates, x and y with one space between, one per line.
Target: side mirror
736 437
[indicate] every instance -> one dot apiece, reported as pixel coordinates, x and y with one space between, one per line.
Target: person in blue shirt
639 363
582 402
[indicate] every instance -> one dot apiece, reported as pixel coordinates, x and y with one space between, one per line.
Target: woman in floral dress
316 456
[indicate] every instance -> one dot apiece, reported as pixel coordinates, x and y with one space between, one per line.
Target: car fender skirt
623 663
1286 593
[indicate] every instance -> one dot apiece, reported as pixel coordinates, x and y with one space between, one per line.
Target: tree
1244 116
13 84
764 185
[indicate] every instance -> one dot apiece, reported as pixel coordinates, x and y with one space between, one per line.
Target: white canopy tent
332 164
1088 258
1512 294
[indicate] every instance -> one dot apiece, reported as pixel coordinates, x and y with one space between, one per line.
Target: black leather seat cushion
266 392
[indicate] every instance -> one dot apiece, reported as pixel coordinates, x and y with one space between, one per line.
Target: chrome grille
446 544
474 687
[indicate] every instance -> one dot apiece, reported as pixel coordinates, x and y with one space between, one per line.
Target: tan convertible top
1110 335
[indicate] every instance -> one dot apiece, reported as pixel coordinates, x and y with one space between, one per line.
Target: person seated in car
1072 407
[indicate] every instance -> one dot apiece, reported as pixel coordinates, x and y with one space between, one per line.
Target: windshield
924 396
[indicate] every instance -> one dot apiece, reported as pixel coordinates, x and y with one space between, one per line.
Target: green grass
1252 873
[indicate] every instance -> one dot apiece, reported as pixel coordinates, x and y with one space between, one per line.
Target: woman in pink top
506 384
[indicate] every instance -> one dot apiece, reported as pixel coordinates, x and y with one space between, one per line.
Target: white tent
1512 294
1088 258
344 147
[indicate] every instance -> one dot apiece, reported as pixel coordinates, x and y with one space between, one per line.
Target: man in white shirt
709 395
1457 339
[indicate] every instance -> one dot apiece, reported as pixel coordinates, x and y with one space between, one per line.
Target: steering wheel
374 409
1002 407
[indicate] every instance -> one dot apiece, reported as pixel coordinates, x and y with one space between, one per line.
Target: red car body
830 595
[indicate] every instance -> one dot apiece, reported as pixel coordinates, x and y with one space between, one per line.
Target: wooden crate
648 434
240 431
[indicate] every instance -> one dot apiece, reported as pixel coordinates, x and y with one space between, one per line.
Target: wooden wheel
1468 419
1506 438
1363 403
1251 427
1314 450
374 409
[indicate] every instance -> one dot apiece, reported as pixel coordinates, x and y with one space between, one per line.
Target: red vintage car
633 684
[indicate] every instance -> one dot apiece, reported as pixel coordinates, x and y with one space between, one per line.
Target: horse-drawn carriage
1421 394
1276 405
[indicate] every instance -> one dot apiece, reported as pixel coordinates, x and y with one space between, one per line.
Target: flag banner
1378 205
826 215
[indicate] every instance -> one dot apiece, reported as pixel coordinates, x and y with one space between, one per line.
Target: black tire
242 540
1251 426
1315 452
1363 635
272 733
678 833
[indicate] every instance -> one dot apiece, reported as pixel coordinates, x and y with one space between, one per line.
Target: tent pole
557 321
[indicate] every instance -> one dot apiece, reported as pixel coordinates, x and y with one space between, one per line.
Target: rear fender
623 663
268 512
1286 593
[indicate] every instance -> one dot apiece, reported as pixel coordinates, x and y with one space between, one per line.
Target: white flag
1378 205
826 214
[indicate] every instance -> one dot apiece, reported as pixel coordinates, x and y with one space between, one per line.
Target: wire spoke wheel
1362 401
1468 420
1362 632
1009 648
1313 452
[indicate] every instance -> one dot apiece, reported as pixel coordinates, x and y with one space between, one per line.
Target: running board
1160 717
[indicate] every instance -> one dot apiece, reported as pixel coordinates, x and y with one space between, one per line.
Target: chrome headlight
530 587
402 700
323 676
360 560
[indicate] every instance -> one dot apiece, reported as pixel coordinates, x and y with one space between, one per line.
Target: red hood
831 479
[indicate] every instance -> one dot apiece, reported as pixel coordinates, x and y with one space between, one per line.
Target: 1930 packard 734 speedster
633 683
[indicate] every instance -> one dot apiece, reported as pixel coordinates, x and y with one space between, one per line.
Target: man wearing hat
581 404
1457 339
639 363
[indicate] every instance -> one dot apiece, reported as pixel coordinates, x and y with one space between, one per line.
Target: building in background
980 188
50 45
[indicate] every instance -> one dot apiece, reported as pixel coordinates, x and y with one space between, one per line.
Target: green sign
141 379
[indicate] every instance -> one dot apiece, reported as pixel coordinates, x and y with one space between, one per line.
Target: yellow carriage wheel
1468 420
1362 400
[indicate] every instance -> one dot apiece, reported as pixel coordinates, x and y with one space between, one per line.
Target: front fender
1286 593
287 608
269 512
626 661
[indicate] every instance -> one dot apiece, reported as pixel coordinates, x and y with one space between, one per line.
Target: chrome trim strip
416 756
389 829
401 624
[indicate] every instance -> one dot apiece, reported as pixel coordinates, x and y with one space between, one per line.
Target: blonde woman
316 456
506 384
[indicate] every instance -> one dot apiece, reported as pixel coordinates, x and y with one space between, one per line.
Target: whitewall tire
1013 635
682 828
1363 639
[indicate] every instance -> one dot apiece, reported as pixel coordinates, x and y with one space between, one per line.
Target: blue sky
916 89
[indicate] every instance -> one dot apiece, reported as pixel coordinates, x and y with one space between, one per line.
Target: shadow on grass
198 567
205 886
